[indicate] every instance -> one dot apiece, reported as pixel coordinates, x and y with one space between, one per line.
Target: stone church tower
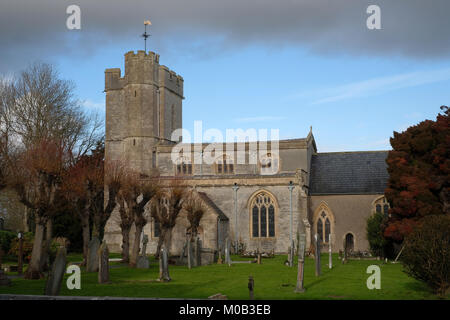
143 108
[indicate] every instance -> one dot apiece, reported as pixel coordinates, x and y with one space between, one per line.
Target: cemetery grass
273 280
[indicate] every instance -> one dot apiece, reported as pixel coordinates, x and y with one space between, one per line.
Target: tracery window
323 226
263 209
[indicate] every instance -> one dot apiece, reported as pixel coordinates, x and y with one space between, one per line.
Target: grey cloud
415 29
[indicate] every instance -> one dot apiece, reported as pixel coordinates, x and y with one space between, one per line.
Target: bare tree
166 207
195 209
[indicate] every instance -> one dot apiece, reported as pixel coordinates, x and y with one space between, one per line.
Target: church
257 204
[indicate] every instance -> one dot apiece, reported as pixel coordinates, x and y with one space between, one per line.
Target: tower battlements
170 80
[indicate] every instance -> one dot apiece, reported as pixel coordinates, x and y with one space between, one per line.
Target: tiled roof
349 173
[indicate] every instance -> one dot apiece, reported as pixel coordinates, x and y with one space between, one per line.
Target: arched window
381 206
224 165
262 212
183 166
323 226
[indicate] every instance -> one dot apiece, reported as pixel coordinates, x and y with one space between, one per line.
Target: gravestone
92 258
142 261
251 286
344 258
164 266
190 255
198 252
219 260
301 260
227 252
103 263
317 254
56 275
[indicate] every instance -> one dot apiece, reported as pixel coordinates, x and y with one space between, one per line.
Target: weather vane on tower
145 35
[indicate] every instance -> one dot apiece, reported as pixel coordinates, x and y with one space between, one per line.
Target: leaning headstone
92 258
103 264
164 266
56 275
317 255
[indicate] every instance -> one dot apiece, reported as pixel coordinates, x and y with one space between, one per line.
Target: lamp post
236 232
20 262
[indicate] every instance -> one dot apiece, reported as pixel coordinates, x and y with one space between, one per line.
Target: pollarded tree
195 209
419 170
135 193
36 177
165 209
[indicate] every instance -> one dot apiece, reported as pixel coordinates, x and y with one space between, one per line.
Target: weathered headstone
344 259
103 264
317 254
142 261
164 266
301 260
56 275
92 258
198 252
227 252
251 286
219 259
190 255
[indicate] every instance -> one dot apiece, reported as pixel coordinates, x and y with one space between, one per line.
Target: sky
287 65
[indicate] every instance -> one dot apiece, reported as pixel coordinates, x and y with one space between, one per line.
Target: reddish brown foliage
419 169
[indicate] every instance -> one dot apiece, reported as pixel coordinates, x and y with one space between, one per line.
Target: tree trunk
86 238
136 245
46 246
165 238
33 271
125 244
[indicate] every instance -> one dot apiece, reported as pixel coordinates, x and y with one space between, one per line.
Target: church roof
348 173
213 206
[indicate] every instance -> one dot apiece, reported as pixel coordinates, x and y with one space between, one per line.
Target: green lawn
273 280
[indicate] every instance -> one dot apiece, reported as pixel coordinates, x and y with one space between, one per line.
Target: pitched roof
349 173
213 206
